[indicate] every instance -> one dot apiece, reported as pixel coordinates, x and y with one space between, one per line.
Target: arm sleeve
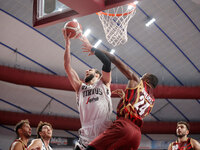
103 58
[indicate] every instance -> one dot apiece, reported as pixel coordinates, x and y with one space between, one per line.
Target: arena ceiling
33 79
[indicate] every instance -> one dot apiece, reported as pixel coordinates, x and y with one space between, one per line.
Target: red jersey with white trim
182 146
137 102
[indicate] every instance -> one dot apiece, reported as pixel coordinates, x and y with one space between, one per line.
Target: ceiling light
97 43
150 22
87 32
130 7
135 2
112 51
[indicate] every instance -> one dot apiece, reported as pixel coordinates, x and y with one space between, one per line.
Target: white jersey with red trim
95 107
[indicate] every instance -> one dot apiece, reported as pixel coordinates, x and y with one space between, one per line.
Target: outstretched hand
119 92
86 46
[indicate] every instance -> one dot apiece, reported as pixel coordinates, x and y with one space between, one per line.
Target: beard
27 135
89 78
180 135
46 136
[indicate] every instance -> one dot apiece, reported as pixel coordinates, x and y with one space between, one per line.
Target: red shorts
123 134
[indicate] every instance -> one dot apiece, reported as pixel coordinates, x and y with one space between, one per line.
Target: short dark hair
19 125
151 79
39 127
98 72
185 123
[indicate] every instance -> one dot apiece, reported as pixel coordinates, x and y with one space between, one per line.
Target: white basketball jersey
95 107
44 148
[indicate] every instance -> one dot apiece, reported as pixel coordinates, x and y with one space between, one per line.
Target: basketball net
115 23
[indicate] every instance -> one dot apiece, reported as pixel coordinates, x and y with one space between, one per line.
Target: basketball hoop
115 23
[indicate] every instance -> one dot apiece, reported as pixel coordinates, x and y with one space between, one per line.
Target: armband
103 58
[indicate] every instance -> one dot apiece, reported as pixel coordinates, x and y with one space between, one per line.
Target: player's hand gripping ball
74 29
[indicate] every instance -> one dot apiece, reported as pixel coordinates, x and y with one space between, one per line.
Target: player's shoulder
35 143
100 81
16 145
104 84
38 140
132 85
194 143
170 146
191 139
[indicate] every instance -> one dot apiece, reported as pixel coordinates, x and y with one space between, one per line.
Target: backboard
48 12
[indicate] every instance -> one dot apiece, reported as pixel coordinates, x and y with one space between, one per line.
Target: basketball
74 28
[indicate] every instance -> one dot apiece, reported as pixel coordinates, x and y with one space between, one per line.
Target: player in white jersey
44 134
93 96
95 105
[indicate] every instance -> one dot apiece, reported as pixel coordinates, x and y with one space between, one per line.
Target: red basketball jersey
137 102
182 146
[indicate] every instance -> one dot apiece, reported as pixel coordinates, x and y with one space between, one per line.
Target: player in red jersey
184 142
23 131
136 103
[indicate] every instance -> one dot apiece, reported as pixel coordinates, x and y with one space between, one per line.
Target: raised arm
72 75
106 69
132 77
